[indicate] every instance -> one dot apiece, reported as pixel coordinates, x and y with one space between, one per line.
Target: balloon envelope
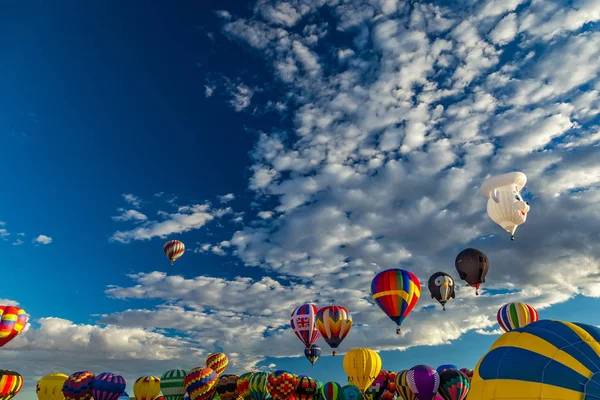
396 292
217 362
545 359
333 323
78 386
304 323
12 322
107 386
172 384
362 367
50 386
472 266
423 381
516 315
11 383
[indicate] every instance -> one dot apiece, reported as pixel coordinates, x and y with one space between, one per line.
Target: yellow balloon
362 367
146 388
50 386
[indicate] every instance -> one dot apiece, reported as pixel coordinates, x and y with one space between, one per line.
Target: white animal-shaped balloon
505 205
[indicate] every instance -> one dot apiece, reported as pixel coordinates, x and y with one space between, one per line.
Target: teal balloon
351 392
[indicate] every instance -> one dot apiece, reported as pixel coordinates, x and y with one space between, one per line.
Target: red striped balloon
173 250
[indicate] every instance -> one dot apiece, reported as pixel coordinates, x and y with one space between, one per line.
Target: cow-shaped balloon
505 205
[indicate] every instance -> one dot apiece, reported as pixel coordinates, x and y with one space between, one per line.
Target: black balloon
472 266
438 290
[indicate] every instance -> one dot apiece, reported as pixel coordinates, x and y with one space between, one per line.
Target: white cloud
265 214
4 233
159 194
187 218
127 215
505 31
133 200
43 239
208 90
227 198
20 234
17 242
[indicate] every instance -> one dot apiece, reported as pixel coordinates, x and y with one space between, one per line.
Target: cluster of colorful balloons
309 323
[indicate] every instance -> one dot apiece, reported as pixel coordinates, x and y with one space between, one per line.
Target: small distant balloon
173 250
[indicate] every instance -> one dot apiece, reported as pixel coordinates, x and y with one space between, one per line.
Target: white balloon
505 205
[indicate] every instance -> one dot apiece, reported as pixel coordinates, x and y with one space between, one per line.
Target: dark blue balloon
312 353
442 367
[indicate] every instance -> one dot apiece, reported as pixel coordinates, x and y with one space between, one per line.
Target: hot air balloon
444 367
107 386
312 354
281 385
303 322
378 387
402 388
172 384
306 389
331 391
396 292
516 315
227 387
472 266
454 385
147 388
173 250
258 386
468 372
351 392
217 362
362 367
334 323
12 322
50 386
200 382
505 205
243 385
11 383
441 287
423 381
543 360
390 392
78 386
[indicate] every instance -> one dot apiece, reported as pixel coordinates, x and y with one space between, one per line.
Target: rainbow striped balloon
543 360
331 391
200 383
402 388
258 386
11 383
396 292
243 385
516 315
12 322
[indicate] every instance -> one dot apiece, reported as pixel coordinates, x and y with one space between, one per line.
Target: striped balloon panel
306 389
174 249
12 322
217 362
545 359
172 384
227 387
303 323
258 386
107 386
79 386
454 385
11 383
402 387
243 385
396 292
331 391
199 382
516 315
146 388
333 323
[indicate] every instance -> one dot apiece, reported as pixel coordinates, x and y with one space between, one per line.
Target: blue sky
350 138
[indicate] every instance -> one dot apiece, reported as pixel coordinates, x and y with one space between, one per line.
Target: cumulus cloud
133 200
127 215
227 198
186 218
42 239
391 134
17 242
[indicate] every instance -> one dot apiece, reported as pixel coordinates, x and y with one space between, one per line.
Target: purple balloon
108 386
424 381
